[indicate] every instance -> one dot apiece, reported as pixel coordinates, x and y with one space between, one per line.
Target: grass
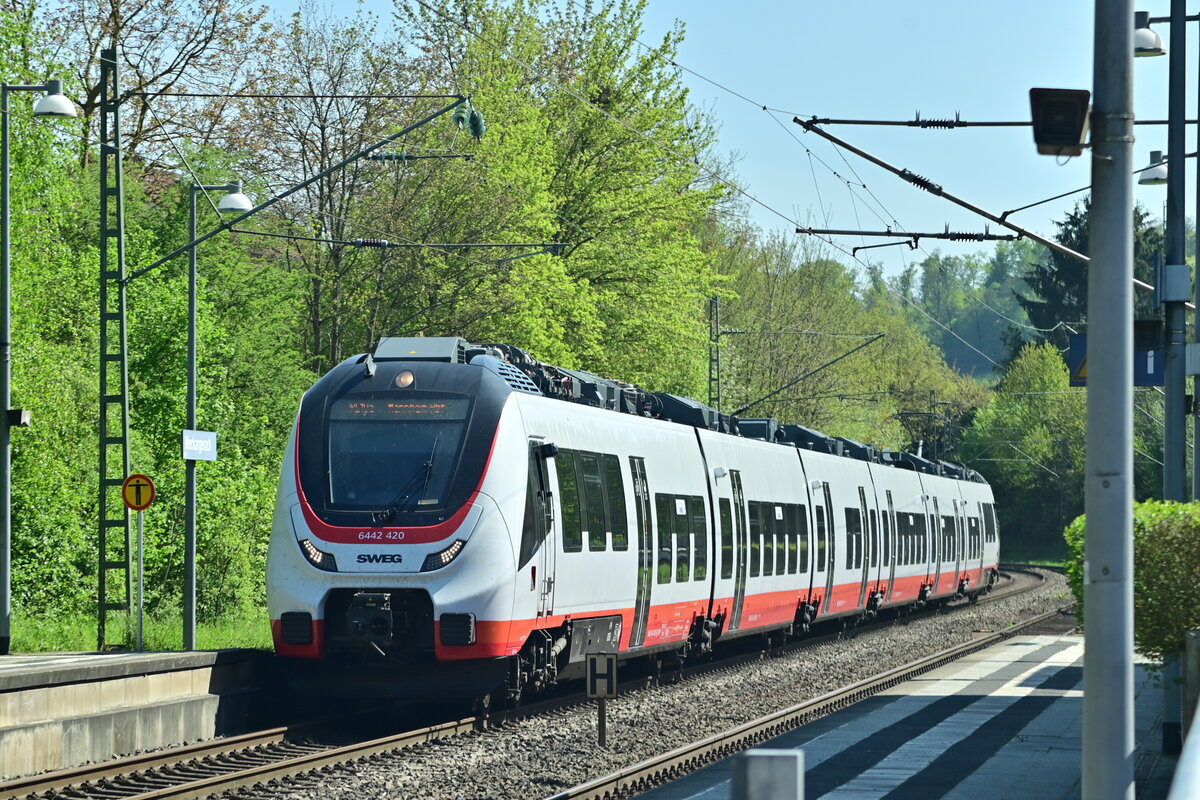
33 633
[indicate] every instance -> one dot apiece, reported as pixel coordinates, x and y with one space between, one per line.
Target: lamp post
53 104
233 201
1174 291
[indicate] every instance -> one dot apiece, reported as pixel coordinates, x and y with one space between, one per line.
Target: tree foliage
1166 560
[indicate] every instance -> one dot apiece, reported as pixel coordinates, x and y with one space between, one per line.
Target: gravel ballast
535 758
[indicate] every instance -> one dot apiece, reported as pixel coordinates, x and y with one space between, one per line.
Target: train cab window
726 538
568 496
614 493
683 543
665 510
767 513
755 540
699 538
593 502
820 538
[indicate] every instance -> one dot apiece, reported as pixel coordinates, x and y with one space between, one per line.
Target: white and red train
462 520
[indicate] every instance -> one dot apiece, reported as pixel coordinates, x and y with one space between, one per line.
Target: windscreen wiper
404 497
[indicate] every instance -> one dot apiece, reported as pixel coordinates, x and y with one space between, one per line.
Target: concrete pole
189 491
5 389
1175 382
1108 746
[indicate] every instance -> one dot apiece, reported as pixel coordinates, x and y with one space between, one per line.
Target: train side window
884 540
803 516
568 490
948 538
820 538
853 538
683 540
665 510
781 541
874 538
534 528
767 510
726 538
593 502
755 539
791 520
614 491
699 538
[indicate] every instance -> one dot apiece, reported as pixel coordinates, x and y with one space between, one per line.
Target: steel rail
689 758
106 779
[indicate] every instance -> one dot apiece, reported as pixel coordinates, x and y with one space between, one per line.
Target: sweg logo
380 558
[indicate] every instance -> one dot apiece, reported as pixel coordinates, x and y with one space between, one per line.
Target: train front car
390 555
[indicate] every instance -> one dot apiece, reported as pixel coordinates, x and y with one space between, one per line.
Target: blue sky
878 59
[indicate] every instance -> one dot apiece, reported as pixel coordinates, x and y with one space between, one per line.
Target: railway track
281 754
689 758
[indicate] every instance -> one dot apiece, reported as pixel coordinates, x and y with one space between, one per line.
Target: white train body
446 527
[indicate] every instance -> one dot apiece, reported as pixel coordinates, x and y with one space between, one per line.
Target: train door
831 547
960 551
891 555
863 547
933 537
645 551
541 504
739 549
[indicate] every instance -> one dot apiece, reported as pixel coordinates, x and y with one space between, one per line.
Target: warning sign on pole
138 492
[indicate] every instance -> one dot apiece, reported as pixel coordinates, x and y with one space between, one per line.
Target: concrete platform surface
1004 722
60 710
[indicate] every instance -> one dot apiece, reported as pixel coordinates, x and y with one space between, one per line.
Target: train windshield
390 453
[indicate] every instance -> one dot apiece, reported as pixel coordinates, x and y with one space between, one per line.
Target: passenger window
820 538
699 537
683 544
568 490
781 540
593 495
768 528
726 539
666 515
791 522
853 538
755 540
803 539
614 490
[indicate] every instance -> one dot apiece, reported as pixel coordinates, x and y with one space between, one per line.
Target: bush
1166 561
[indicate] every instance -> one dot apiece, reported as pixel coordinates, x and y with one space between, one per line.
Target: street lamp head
235 200
1145 41
54 103
1156 173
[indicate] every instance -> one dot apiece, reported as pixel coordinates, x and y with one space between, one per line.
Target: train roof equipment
526 374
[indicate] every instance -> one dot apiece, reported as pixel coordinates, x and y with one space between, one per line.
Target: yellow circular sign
138 492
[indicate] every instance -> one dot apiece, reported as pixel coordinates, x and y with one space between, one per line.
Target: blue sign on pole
1148 365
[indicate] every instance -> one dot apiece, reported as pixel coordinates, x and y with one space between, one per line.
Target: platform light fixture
1156 173
1146 42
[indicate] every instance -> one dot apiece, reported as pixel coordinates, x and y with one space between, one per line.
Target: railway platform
1004 722
59 710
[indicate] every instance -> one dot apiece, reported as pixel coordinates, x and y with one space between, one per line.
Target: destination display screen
391 408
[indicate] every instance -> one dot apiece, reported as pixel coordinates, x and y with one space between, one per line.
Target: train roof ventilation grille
510 374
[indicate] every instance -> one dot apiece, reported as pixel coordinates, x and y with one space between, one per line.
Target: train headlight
438 560
405 379
318 558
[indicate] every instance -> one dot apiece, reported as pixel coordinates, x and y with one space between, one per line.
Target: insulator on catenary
924 183
371 243
938 123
